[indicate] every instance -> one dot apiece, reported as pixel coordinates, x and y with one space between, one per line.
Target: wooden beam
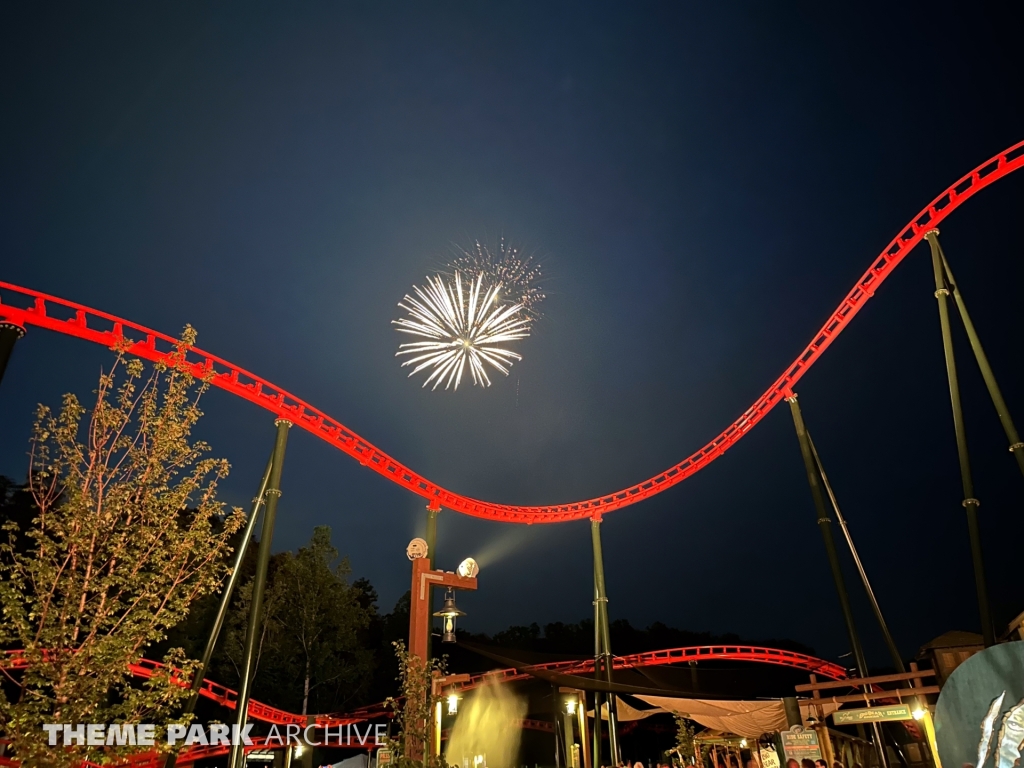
901 693
857 682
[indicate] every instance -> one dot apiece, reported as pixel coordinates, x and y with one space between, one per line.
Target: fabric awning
624 712
744 718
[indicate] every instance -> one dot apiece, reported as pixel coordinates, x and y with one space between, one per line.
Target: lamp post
424 578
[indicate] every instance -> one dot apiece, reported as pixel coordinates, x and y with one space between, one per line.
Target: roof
954 639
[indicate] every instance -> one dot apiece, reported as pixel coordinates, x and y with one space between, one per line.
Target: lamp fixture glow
299 749
453 704
919 713
570 706
448 613
468 568
743 743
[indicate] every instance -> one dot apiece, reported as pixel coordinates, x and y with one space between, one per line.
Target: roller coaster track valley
25 307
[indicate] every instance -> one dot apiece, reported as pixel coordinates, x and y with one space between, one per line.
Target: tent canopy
744 718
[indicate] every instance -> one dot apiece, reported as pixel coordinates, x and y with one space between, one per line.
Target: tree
310 654
127 534
411 746
685 745
321 616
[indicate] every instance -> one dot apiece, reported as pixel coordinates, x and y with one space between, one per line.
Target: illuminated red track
145 668
694 653
227 697
38 309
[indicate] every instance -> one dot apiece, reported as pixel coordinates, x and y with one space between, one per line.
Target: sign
383 757
799 743
872 714
769 757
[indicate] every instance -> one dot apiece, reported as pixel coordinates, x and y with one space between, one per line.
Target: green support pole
431 546
970 503
603 644
9 335
825 525
890 644
1016 446
252 630
225 603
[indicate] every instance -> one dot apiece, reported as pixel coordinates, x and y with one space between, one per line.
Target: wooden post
824 741
581 713
926 721
423 579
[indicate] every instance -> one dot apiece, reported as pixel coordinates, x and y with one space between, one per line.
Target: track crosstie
27 307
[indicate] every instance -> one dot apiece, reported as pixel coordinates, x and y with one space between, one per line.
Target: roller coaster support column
252 630
825 524
225 601
1016 446
890 644
602 652
970 503
9 334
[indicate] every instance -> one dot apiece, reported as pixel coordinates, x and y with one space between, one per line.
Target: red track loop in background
144 668
693 653
34 308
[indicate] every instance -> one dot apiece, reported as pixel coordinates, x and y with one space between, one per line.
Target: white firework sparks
462 330
517 273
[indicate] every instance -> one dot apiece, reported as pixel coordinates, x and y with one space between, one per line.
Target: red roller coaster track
144 668
82 322
693 653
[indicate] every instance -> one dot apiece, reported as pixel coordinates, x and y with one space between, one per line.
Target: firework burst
462 329
517 274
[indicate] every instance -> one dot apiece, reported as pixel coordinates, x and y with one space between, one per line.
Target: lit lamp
570 706
449 613
453 704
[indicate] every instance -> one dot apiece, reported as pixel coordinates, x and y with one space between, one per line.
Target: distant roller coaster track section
693 653
146 669
26 307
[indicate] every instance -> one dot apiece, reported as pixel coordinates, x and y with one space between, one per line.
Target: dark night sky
704 182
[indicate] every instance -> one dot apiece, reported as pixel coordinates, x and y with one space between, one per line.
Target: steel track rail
27 307
144 668
750 653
